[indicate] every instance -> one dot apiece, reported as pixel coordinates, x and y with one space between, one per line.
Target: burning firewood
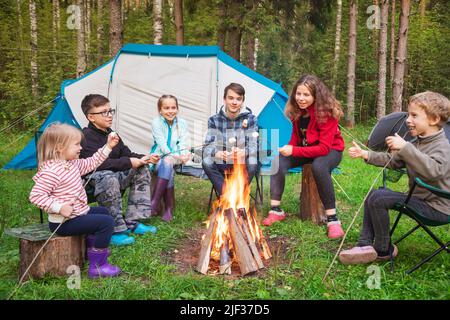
233 234
225 260
242 219
243 254
205 252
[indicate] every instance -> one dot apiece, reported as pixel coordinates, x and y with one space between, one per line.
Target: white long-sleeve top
59 182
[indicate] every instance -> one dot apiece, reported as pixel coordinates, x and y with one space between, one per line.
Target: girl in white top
170 136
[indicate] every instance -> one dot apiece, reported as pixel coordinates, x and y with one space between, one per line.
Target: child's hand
136 162
113 140
152 158
185 158
66 210
357 152
286 150
395 142
239 154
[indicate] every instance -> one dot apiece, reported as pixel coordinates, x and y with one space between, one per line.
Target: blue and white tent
139 74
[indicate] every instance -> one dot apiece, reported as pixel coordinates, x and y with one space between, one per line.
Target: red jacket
321 137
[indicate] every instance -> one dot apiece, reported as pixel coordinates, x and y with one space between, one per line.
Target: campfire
232 233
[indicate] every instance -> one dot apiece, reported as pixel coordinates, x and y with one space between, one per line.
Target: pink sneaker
358 255
273 217
335 230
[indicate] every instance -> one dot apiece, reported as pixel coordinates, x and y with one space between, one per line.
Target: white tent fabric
139 80
135 79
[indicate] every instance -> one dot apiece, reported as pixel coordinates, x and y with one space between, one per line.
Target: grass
150 275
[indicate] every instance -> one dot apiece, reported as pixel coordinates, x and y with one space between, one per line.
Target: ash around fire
185 256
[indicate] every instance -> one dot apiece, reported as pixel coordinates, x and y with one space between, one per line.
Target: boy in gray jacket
427 158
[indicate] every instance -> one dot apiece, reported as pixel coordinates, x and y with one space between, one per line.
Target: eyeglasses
110 112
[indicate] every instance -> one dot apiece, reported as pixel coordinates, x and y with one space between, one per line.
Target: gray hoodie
427 158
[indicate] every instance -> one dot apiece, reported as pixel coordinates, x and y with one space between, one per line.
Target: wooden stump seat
311 207
58 254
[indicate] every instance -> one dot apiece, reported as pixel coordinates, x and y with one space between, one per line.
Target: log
206 246
311 207
58 254
225 260
265 247
243 254
242 220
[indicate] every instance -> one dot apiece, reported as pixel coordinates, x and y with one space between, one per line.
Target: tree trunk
87 28
392 63
423 5
250 32
381 100
100 31
58 255
400 60
179 22
81 41
311 207
222 29
235 29
34 47
115 26
375 30
350 112
337 44
55 29
20 23
157 22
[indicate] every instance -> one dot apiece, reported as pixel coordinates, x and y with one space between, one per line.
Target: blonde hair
434 104
55 139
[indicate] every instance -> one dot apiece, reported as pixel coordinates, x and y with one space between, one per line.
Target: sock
277 210
332 218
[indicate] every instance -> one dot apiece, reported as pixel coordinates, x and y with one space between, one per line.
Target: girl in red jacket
316 139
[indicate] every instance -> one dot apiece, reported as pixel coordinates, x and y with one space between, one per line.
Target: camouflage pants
108 188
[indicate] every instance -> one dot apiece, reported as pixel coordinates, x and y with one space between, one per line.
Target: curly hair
325 103
434 104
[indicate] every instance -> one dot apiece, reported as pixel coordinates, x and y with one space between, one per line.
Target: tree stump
58 254
311 206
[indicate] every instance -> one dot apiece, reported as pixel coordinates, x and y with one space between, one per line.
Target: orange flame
235 195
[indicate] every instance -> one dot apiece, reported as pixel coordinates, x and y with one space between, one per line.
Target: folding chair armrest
437 191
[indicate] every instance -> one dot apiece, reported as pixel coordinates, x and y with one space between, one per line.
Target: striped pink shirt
58 182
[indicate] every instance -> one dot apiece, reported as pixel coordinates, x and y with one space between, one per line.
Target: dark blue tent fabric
26 159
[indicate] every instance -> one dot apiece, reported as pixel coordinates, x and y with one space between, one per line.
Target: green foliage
295 37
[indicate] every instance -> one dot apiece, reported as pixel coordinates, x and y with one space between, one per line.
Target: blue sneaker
121 239
142 229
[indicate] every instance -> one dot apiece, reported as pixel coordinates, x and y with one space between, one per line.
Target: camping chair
422 222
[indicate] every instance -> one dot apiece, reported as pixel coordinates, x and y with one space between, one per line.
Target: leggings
97 221
376 224
321 166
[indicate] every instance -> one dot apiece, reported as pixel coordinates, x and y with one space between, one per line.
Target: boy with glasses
122 169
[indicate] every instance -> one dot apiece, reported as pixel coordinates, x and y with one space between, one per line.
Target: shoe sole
362 258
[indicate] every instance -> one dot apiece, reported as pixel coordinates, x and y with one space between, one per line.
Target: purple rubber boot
169 199
90 241
98 264
158 192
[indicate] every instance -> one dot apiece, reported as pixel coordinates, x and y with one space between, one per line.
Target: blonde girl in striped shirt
59 191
